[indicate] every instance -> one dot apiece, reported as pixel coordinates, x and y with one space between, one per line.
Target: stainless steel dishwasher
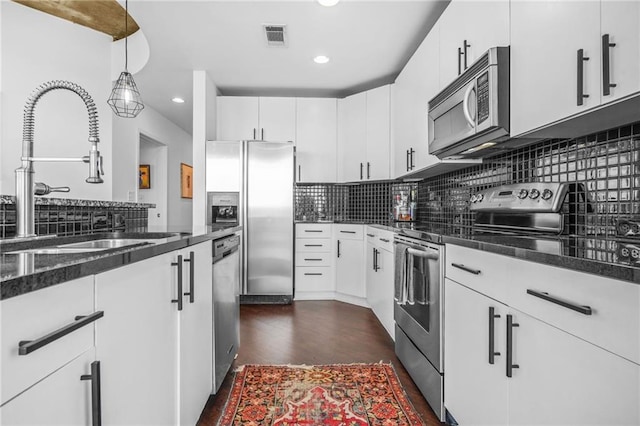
226 305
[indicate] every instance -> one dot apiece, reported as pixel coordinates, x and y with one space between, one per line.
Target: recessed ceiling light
321 59
178 100
328 3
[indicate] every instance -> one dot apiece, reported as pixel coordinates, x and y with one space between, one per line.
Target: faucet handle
40 188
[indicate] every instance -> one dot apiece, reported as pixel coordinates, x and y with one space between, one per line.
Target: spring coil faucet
25 186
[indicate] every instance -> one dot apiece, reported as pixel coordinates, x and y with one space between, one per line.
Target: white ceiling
369 42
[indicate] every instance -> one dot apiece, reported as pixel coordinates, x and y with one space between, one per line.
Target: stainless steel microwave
470 117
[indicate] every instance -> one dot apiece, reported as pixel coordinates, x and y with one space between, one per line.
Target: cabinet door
481 24
575 381
137 342
370 275
620 20
196 333
378 133
349 273
415 86
277 119
237 118
352 136
61 398
382 299
544 74
316 139
476 391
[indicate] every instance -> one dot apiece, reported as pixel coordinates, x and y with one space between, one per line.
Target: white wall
204 128
154 154
126 134
36 48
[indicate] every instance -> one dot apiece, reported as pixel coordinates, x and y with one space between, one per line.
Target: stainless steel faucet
25 186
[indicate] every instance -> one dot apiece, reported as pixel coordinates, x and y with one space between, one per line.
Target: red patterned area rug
338 394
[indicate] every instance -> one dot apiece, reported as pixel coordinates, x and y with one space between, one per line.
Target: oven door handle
422 253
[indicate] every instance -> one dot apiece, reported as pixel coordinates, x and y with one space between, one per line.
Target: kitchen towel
399 280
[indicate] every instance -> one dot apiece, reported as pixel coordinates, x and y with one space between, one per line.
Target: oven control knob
523 194
546 194
479 197
534 193
473 198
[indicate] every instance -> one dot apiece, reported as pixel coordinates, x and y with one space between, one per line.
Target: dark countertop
26 272
52 201
598 256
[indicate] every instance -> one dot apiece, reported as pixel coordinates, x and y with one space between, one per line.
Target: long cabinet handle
606 68
459 60
465 52
408 167
361 169
338 248
492 335
314 260
313 230
466 268
96 399
25 347
580 79
262 134
254 133
178 264
385 240
411 163
510 326
347 232
368 170
299 172
313 273
376 252
583 309
313 245
370 235
192 269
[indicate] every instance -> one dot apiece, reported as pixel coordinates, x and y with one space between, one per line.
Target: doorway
154 154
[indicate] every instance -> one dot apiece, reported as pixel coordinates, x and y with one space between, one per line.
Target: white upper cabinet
620 22
415 86
352 137
467 30
378 133
571 86
253 118
363 135
277 119
316 139
237 118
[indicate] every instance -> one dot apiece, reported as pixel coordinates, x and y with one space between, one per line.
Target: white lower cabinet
539 373
137 342
314 274
350 286
380 276
61 398
156 345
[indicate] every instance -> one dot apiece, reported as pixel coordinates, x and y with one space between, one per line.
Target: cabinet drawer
313 245
34 315
372 235
313 230
486 273
314 279
385 240
349 232
610 309
313 259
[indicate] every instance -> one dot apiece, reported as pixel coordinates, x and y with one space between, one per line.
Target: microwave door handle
465 106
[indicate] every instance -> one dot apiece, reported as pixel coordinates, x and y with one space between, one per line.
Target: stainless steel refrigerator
263 175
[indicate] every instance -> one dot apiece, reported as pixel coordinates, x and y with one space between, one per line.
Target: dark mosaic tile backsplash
604 169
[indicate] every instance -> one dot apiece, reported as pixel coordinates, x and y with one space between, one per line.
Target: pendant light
125 100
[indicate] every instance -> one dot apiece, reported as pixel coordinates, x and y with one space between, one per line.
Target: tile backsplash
604 168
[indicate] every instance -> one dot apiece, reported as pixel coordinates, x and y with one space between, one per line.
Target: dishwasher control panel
223 246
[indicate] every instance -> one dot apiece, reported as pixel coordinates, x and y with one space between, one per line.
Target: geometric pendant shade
125 100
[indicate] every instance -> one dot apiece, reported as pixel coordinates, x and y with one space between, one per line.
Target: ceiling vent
276 35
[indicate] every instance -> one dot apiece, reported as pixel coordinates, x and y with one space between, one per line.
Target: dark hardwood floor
313 332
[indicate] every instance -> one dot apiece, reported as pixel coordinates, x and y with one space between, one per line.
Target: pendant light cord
126 35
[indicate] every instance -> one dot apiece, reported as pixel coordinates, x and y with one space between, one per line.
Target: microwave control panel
482 88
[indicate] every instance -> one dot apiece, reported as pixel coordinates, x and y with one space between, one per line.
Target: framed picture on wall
186 181
144 176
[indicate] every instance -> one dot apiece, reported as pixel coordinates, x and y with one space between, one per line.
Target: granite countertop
25 272
593 255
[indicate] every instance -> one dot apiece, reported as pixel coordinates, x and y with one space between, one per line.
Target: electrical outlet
131 195
628 252
628 228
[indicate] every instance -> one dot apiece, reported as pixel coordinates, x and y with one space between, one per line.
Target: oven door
418 309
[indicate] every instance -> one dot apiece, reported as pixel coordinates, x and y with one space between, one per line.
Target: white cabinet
316 139
314 272
380 276
352 137
253 118
61 398
363 135
137 342
540 98
467 30
196 332
554 356
378 132
350 286
33 316
415 86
